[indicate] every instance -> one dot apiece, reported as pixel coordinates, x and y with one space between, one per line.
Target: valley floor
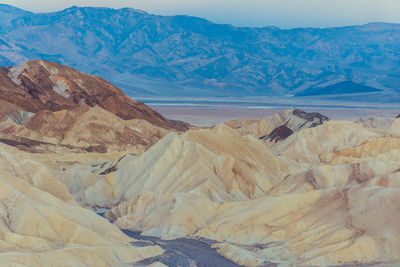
202 116
185 252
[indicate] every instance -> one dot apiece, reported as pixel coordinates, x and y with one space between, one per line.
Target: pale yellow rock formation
395 127
292 120
375 123
326 195
81 256
323 216
322 228
307 145
334 176
199 161
10 129
385 125
166 215
382 148
157 264
38 229
265 126
24 166
239 255
42 225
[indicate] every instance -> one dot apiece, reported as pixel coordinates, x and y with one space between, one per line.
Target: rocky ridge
321 214
45 105
291 189
41 224
53 117
278 127
42 85
145 54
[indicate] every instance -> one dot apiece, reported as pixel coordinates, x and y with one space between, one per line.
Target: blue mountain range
150 55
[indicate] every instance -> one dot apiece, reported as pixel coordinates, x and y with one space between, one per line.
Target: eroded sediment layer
292 188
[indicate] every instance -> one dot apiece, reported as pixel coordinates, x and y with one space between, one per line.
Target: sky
280 13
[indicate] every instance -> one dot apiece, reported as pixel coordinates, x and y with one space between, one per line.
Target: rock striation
42 85
200 161
292 189
278 127
41 224
47 106
53 118
309 200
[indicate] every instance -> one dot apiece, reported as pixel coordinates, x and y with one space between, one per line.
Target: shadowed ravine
182 252
191 252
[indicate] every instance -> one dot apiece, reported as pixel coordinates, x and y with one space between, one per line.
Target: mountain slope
46 107
151 55
42 85
346 87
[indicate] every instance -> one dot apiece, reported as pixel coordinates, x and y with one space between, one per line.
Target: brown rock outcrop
91 129
41 85
45 106
13 112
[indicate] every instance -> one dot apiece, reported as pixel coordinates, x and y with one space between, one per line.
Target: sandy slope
335 208
41 224
292 188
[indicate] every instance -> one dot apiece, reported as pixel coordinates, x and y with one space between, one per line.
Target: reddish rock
41 85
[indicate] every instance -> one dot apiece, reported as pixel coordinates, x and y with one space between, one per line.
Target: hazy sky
281 13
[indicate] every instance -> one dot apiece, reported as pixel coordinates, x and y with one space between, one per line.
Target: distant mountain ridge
150 55
338 89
